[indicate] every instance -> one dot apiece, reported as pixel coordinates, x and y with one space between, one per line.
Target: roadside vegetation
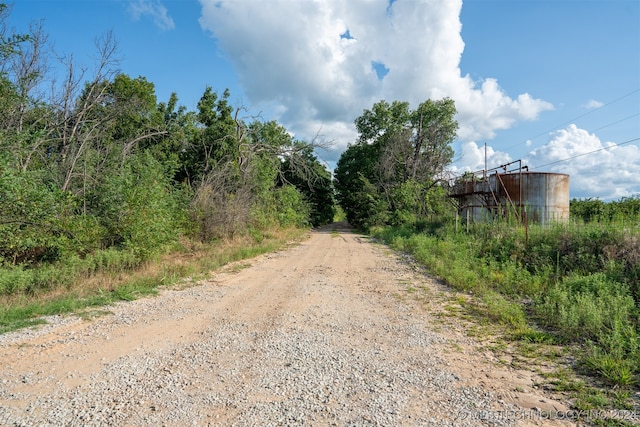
574 285
107 193
570 284
102 186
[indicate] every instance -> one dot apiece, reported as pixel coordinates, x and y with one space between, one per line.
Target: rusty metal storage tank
540 197
476 199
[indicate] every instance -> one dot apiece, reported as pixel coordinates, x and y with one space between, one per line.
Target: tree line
590 210
93 161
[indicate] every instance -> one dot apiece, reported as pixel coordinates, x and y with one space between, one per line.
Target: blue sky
537 80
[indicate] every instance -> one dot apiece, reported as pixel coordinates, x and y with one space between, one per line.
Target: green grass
86 291
558 285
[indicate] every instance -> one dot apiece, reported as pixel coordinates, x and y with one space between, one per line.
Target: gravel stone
289 341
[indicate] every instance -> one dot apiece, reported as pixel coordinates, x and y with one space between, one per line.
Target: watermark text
541 415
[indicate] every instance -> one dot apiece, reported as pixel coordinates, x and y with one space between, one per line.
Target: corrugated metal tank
476 200
543 196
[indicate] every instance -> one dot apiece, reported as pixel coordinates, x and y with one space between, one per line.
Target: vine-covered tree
390 173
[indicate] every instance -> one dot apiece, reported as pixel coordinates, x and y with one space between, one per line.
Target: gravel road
324 333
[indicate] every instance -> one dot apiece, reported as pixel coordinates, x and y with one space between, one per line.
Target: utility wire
576 118
585 154
616 122
602 127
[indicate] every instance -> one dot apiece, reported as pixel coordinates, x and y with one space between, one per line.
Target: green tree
138 207
31 216
132 103
354 178
397 162
588 210
313 180
215 141
168 148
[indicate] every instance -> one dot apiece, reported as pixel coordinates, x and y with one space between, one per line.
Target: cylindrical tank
542 196
476 201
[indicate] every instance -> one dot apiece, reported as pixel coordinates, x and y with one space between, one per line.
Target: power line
616 122
585 154
579 117
602 127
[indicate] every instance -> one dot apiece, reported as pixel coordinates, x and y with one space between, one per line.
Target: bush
31 212
579 282
138 207
504 311
14 280
291 207
587 307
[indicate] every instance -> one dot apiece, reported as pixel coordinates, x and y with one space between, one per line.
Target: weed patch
110 277
559 285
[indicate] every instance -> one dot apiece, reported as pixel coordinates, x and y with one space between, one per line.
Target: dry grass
184 266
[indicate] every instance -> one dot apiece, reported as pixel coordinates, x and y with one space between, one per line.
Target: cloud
153 8
596 169
472 158
320 62
592 104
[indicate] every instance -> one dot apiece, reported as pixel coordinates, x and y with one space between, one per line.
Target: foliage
249 187
392 174
313 180
578 282
214 141
98 176
31 215
625 210
137 207
586 307
291 207
356 194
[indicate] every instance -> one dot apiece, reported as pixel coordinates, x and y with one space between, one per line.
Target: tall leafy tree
168 148
216 138
137 121
354 178
397 160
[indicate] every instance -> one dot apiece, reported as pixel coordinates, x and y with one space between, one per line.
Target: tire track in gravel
313 335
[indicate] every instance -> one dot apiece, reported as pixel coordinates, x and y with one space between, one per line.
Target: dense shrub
625 210
137 207
291 207
31 212
587 307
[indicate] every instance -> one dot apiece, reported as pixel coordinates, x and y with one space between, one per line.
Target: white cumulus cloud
295 55
153 8
597 169
593 104
473 156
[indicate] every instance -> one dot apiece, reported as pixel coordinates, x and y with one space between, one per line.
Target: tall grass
578 282
27 294
30 280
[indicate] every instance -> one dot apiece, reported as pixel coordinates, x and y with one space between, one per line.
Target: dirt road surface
326 332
